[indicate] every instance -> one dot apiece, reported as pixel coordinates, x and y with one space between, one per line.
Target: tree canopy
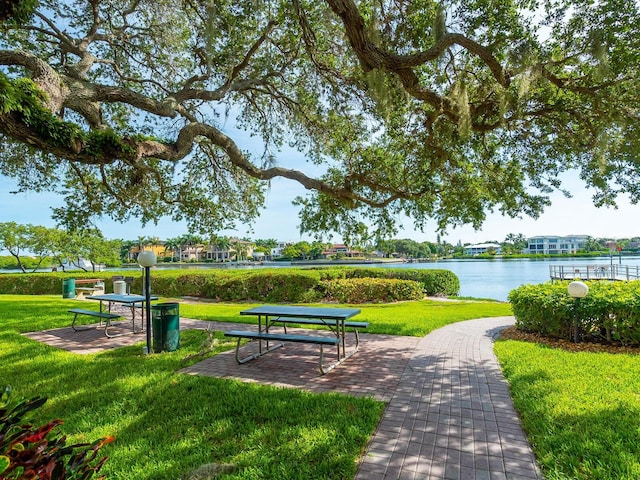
441 111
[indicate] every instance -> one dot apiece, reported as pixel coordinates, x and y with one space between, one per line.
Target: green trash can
69 288
165 318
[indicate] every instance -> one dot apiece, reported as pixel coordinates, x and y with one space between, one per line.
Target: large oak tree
435 110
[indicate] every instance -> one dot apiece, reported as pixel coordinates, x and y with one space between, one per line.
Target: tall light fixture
147 259
577 290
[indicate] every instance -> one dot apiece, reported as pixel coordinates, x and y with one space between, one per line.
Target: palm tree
222 245
172 244
197 242
154 241
142 241
239 248
125 250
210 247
267 243
191 242
182 242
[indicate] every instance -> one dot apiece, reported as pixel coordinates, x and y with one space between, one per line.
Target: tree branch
371 56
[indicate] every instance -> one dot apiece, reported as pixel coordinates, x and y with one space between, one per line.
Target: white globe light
578 289
146 258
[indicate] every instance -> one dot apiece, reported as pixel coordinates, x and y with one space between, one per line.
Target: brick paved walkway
449 414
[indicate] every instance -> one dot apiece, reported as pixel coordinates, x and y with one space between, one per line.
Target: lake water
496 278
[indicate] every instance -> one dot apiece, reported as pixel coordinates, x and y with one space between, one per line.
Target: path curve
451 416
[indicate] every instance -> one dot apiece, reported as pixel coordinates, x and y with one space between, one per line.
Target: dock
595 272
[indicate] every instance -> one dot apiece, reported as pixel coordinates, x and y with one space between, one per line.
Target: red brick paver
374 370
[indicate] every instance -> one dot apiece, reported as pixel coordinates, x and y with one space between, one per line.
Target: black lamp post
147 259
577 290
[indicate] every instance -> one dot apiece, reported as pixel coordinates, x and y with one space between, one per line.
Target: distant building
341 249
276 252
555 245
481 248
158 248
612 245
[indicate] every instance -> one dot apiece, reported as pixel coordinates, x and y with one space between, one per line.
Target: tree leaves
441 111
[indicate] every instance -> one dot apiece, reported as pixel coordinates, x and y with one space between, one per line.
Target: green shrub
277 286
545 309
370 290
610 312
179 284
31 284
328 273
435 282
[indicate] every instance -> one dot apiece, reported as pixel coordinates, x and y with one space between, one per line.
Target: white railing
594 272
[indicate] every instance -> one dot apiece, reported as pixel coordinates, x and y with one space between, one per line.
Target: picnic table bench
130 301
88 280
282 337
106 316
333 318
80 291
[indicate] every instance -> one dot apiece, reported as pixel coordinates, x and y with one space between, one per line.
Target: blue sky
575 216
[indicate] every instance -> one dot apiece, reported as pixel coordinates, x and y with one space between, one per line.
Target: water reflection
496 278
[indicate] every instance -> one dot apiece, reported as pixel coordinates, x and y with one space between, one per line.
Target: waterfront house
276 252
340 249
555 245
481 248
232 249
158 248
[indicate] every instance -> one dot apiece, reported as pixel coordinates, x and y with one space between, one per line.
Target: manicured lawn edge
581 410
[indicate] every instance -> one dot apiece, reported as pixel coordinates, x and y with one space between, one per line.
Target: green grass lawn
403 318
167 424
581 410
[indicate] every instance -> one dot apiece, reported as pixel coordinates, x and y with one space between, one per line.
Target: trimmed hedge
262 285
269 286
610 312
370 290
47 283
435 282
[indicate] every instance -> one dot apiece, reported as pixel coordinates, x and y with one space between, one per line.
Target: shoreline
347 261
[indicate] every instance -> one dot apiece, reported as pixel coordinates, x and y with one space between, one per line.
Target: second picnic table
93 285
336 319
128 300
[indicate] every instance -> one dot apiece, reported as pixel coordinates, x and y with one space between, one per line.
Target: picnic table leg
326 369
107 324
73 325
254 355
101 312
133 319
266 329
102 309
